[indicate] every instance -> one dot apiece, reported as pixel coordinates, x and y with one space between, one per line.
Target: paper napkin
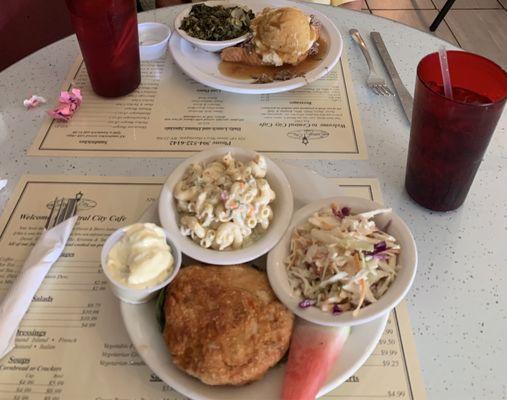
3 182
19 297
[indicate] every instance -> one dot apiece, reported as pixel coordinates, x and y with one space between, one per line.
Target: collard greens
217 23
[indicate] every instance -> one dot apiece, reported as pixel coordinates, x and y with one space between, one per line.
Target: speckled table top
458 305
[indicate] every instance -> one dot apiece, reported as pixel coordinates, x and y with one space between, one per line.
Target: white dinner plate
203 66
145 334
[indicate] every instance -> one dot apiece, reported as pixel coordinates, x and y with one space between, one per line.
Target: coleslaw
341 262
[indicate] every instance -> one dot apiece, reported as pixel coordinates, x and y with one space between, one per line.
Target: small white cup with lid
130 294
153 38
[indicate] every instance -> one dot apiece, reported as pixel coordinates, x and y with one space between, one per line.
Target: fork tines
63 208
382 90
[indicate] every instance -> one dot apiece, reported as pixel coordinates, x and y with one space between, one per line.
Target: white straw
444 67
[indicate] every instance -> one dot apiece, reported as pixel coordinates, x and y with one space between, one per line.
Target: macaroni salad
340 262
225 204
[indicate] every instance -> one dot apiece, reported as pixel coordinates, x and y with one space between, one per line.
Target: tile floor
479 26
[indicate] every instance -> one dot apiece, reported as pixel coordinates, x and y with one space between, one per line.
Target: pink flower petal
33 101
68 104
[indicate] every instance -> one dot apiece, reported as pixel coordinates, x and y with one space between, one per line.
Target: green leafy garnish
217 22
159 312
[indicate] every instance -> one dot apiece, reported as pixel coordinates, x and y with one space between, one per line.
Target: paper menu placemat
72 343
171 115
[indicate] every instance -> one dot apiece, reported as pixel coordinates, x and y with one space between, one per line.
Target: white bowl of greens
214 25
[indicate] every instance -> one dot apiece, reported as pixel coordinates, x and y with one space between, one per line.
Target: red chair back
28 25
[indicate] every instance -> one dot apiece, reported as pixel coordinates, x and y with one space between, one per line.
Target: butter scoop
141 258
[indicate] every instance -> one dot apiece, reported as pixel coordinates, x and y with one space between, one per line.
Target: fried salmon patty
224 324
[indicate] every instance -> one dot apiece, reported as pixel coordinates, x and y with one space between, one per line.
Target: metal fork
63 208
374 81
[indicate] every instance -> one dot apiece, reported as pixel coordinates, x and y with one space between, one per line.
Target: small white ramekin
132 295
153 38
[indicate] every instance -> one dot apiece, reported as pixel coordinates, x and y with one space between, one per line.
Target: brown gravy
249 72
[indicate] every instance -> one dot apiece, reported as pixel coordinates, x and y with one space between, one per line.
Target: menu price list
320 120
27 381
72 343
383 375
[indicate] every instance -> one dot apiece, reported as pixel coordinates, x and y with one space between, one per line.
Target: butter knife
404 96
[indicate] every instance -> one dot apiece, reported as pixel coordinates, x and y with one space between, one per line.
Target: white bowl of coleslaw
177 220
343 265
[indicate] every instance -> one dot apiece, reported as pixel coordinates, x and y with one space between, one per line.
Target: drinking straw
446 77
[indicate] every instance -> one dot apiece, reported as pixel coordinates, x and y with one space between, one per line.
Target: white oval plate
144 332
203 66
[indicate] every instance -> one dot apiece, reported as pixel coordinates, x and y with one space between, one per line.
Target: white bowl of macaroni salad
343 261
226 205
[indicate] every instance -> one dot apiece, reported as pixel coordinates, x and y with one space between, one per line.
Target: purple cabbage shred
379 247
307 303
340 213
336 309
337 213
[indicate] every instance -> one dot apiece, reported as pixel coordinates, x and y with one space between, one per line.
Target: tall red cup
449 137
108 38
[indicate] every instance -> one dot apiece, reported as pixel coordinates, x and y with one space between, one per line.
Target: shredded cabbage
339 261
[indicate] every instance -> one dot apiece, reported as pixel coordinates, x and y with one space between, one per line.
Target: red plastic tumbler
449 137
107 34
